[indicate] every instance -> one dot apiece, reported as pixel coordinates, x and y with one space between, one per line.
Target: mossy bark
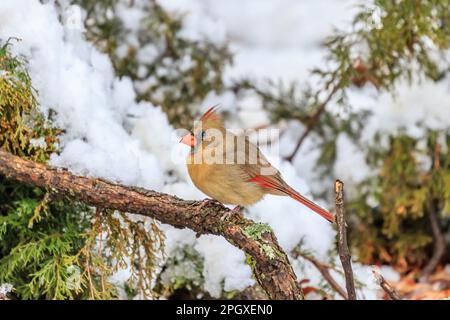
273 272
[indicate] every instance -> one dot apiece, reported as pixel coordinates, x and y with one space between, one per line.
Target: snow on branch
269 263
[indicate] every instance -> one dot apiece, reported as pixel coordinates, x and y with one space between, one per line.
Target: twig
324 271
439 243
390 291
344 253
439 239
273 271
311 123
98 215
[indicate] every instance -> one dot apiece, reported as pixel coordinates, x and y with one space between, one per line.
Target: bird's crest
211 119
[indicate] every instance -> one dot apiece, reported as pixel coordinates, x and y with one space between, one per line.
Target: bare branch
344 253
439 242
311 123
432 212
390 291
324 271
271 265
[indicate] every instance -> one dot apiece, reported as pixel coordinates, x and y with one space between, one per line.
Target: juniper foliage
50 245
391 41
167 68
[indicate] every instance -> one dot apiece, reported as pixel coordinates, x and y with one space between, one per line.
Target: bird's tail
314 207
277 186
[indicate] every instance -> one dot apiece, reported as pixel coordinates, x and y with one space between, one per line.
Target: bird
232 170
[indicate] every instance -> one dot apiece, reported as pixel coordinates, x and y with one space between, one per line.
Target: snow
277 39
414 108
39 143
111 136
5 288
220 267
197 24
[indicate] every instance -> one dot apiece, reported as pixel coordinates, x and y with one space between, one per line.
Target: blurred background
358 89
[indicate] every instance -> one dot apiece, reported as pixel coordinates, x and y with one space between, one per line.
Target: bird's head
208 131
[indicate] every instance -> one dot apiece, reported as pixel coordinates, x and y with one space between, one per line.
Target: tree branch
432 212
344 253
324 271
439 241
311 123
387 288
271 265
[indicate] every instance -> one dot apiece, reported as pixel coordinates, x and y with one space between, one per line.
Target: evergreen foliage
51 246
391 41
56 248
167 68
413 178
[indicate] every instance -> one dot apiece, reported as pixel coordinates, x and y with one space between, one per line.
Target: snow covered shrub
23 130
406 203
399 205
169 66
51 246
94 253
37 235
114 77
389 46
182 272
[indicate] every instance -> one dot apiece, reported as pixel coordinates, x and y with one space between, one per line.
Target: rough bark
344 253
270 264
387 288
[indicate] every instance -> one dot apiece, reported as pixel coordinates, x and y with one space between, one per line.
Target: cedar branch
272 271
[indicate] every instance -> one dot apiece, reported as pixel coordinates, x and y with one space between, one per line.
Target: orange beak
189 140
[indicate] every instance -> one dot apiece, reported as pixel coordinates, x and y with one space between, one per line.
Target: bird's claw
227 215
205 202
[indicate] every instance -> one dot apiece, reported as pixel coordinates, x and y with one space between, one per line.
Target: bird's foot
236 210
205 202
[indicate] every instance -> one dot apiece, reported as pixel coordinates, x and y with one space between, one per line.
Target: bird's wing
254 167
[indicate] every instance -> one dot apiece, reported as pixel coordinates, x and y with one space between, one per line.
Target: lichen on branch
271 265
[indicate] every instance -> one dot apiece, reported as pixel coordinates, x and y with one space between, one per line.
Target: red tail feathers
274 184
314 207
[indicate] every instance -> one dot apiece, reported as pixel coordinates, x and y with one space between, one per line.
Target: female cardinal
232 170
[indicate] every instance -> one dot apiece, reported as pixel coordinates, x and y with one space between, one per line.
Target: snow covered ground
274 39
